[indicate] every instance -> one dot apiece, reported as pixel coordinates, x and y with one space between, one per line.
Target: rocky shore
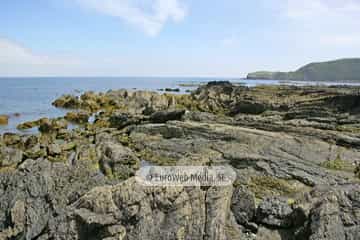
296 152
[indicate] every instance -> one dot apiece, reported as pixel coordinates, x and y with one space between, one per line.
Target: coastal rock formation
78 117
295 151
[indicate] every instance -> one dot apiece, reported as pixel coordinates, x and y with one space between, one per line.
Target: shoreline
288 145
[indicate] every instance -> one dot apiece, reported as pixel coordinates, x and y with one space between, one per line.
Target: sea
30 98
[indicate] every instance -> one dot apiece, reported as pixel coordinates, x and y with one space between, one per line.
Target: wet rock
27 125
51 125
67 101
4 119
78 117
164 116
172 89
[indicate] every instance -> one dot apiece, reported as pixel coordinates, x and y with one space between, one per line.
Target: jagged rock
51 125
122 120
276 138
126 210
27 125
164 116
243 205
334 213
67 101
275 212
34 198
78 117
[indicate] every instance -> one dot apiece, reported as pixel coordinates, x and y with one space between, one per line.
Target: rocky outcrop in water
295 151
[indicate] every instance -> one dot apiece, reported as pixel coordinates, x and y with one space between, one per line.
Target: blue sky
173 37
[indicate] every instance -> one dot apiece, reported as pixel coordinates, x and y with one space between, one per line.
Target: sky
210 38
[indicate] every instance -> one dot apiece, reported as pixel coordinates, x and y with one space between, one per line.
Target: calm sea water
32 97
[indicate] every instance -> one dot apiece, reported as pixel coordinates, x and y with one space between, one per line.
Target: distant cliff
338 70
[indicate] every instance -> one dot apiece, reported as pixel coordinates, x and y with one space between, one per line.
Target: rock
78 183
67 101
357 170
34 199
68 146
117 161
127 210
243 205
36 152
4 119
54 149
51 125
164 116
218 200
275 212
334 213
248 107
172 90
28 125
119 120
11 138
10 156
78 117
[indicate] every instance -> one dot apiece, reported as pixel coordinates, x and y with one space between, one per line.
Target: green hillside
338 70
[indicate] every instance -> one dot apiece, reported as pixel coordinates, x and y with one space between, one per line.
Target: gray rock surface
295 150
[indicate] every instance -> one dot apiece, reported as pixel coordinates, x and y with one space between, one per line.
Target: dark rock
275 212
248 107
27 125
78 117
120 121
243 205
164 116
67 101
172 89
51 125
334 214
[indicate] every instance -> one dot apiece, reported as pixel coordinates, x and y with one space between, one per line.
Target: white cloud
13 53
148 15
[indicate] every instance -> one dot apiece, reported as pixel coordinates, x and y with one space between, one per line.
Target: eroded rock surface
296 152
